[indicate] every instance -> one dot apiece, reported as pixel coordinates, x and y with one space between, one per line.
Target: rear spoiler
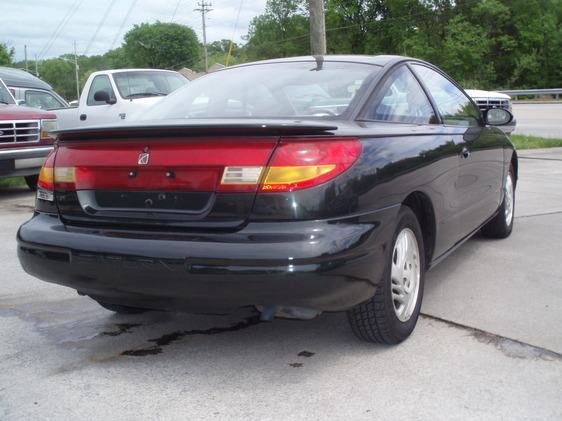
171 128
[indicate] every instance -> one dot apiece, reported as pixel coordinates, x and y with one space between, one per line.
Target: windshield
148 83
5 96
276 90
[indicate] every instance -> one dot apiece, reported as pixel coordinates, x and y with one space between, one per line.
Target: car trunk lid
200 175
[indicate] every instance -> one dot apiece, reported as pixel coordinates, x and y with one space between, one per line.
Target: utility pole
317 27
76 72
204 9
25 54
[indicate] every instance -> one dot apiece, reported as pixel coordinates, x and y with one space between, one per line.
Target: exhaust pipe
268 313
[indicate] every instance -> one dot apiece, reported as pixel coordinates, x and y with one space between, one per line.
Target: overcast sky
49 27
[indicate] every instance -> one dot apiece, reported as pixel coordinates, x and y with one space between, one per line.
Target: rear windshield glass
141 84
278 90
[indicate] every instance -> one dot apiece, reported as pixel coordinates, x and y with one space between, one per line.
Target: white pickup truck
111 96
492 99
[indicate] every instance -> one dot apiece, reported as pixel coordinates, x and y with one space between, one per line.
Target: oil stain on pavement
169 338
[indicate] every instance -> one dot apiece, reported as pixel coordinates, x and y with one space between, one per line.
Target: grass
533 142
12 182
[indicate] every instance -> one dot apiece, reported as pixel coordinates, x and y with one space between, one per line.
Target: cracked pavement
488 346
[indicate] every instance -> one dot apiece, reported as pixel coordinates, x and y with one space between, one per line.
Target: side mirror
497 117
103 96
20 101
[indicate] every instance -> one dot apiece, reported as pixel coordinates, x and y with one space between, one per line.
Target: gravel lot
488 347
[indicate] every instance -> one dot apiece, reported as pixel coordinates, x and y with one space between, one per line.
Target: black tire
116 308
375 320
31 181
499 227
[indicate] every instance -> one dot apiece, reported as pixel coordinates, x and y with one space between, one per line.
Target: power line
204 9
233 33
125 19
58 27
58 30
103 19
175 10
354 25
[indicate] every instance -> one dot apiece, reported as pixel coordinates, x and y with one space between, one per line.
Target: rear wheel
121 309
31 181
391 314
502 224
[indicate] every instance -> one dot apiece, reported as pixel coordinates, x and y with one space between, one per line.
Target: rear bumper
22 161
324 265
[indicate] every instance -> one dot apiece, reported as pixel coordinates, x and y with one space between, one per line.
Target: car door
421 144
480 177
99 112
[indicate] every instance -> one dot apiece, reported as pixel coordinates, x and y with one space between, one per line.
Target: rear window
277 90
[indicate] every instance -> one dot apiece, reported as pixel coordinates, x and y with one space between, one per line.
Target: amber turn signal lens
46 178
291 175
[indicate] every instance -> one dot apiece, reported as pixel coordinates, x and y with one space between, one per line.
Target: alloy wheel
405 274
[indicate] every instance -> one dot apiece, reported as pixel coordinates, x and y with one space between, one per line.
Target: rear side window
401 99
453 105
43 100
100 83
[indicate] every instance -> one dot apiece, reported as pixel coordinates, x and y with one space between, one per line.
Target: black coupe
294 186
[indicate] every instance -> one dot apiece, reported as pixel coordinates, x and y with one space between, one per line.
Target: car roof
380 60
21 78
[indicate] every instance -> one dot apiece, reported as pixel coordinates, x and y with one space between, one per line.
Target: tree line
487 44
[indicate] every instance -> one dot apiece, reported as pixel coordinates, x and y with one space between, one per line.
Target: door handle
465 153
83 117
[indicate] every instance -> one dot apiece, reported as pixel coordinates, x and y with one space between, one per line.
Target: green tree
282 31
221 47
218 52
161 45
6 54
60 75
117 59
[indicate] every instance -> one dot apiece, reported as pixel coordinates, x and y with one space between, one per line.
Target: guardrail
535 93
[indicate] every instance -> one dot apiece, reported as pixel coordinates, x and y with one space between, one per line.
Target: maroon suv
24 138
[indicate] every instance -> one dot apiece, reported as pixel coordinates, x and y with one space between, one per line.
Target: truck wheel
31 181
121 309
391 314
502 224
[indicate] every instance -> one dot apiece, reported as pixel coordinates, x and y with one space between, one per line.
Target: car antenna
319 63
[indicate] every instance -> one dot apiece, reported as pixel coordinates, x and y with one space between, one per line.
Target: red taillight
233 166
302 163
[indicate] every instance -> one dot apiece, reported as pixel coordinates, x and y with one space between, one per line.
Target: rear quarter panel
391 166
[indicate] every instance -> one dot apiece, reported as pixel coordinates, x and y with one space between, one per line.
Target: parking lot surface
488 347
